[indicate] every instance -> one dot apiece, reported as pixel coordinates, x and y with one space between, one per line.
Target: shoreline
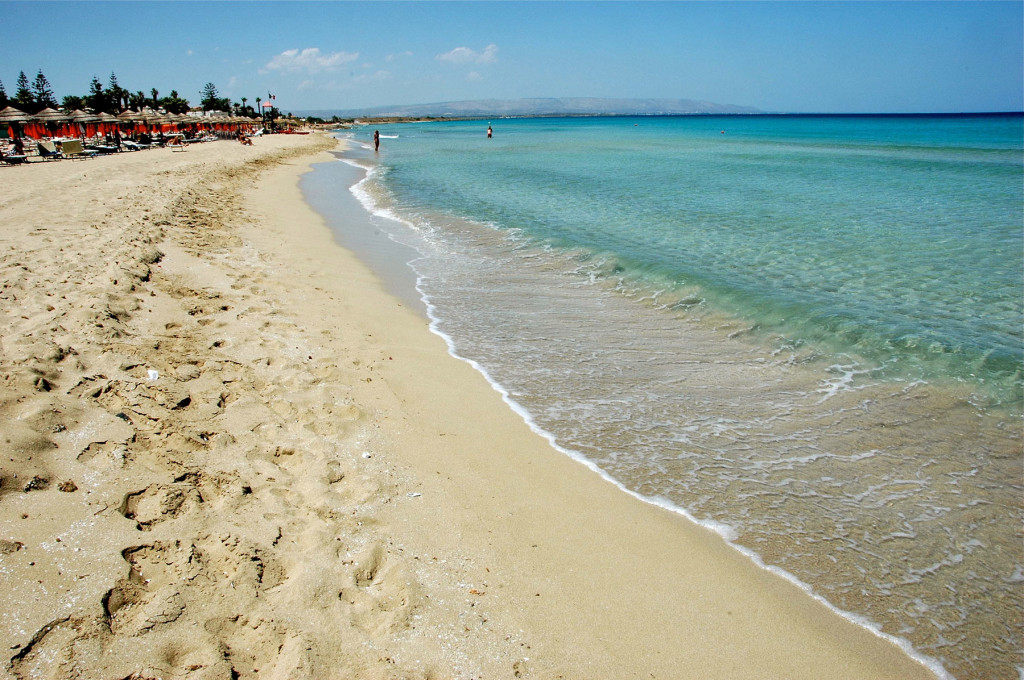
313 485
528 420
382 264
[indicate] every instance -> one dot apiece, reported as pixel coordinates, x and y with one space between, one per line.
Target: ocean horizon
801 330
393 114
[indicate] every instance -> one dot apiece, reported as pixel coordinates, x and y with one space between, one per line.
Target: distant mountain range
585 106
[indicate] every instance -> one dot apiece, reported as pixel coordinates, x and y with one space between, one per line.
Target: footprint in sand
60 649
379 592
168 580
151 593
160 502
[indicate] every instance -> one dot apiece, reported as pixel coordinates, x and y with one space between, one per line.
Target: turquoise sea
806 332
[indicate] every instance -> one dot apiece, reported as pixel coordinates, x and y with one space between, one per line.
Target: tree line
38 95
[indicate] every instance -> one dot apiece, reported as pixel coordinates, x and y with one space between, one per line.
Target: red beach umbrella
107 123
130 120
13 119
81 120
51 121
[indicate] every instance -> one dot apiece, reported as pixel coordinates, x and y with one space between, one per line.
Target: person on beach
376 140
489 131
244 139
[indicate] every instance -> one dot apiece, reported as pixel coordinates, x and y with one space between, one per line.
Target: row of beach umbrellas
51 123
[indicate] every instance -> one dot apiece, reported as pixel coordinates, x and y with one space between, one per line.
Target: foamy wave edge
724 531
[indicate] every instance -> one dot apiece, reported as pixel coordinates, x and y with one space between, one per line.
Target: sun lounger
48 151
72 148
13 159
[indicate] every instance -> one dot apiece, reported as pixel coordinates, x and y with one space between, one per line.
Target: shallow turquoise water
804 332
897 239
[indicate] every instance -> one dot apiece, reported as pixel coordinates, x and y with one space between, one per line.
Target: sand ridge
173 500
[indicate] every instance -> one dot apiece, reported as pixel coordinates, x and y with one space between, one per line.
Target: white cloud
465 55
310 60
372 77
474 76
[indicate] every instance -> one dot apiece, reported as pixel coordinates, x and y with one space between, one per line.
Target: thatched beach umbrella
130 119
158 122
80 116
13 118
192 124
84 119
174 121
108 123
148 119
50 116
13 115
45 123
167 123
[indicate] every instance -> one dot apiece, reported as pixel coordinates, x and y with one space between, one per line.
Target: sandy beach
228 452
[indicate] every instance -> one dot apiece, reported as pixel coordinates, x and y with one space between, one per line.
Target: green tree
98 99
117 96
137 101
23 98
210 97
72 102
156 98
212 101
43 93
175 104
4 100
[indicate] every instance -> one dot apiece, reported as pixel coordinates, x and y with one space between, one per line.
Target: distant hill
541 107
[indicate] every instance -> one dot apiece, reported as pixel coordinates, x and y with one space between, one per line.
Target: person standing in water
489 131
376 140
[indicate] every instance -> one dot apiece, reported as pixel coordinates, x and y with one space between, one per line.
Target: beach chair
177 143
48 151
101 149
73 148
13 159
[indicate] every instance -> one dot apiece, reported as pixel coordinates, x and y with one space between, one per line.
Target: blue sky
776 56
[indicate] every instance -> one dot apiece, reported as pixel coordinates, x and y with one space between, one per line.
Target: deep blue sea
806 332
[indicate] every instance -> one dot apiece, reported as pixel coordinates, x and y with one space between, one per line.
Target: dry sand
228 453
